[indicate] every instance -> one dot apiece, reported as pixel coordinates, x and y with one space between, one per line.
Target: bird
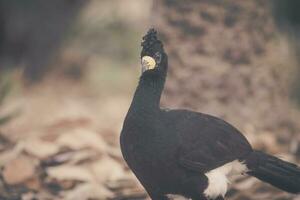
187 153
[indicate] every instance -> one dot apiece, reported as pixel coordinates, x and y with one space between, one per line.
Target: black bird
186 153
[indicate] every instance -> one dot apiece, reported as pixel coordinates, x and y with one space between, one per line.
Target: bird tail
279 173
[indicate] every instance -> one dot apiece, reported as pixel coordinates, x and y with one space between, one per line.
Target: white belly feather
218 178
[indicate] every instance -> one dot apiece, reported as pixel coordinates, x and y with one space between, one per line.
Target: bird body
163 142
181 152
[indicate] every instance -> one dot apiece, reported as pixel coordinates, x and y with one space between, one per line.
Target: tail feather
279 173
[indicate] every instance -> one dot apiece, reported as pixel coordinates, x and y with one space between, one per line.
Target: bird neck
148 93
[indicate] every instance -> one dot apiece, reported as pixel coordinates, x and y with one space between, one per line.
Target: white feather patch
218 178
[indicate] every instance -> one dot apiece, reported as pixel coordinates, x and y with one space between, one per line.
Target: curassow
186 153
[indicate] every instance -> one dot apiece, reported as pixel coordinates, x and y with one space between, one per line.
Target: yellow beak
148 63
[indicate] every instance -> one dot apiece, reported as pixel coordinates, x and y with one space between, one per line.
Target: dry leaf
69 172
33 183
58 159
10 154
72 157
39 148
41 195
28 196
81 138
83 155
107 169
88 191
246 184
19 170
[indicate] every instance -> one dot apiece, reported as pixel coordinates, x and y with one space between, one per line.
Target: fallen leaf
41 195
10 154
19 170
69 172
88 191
33 183
82 156
57 159
39 148
246 183
107 169
55 186
28 196
72 157
82 138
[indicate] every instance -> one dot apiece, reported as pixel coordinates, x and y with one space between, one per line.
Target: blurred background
69 68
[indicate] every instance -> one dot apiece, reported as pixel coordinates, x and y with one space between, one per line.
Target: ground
64 144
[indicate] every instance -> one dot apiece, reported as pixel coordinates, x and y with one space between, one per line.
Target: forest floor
64 144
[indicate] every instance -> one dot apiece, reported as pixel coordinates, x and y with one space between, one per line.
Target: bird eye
157 57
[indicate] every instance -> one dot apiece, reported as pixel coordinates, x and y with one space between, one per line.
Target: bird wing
207 142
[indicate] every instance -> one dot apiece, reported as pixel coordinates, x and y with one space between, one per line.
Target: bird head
152 55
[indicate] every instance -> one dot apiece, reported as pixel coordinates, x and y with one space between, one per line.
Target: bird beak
148 63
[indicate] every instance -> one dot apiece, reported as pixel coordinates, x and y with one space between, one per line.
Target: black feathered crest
151 44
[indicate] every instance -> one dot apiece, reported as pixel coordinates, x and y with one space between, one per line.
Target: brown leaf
19 170
88 191
72 157
107 169
10 154
69 172
39 148
82 156
82 138
33 183
246 184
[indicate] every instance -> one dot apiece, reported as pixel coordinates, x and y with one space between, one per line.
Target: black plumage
171 151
